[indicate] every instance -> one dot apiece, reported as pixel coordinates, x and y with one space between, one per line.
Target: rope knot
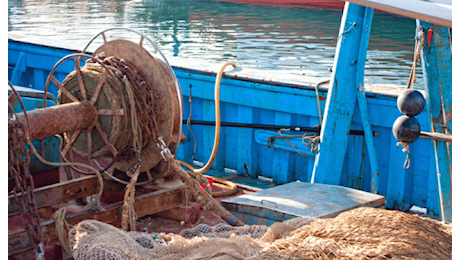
405 149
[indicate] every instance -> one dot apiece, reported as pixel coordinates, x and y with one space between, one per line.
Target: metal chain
144 127
143 94
18 169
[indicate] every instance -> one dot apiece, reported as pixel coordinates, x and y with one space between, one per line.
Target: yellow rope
215 147
217 131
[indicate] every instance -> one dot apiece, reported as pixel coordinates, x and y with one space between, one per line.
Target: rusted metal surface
18 170
144 96
155 102
49 121
161 90
104 94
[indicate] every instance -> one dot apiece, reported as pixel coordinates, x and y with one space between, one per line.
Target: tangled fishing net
363 233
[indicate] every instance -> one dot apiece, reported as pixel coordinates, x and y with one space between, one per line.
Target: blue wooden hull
258 101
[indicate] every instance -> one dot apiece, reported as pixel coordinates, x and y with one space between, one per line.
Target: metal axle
44 122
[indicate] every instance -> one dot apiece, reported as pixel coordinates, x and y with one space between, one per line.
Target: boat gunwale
372 90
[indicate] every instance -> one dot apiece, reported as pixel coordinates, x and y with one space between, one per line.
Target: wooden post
342 94
436 59
362 102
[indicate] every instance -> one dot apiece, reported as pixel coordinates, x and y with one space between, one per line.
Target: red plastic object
430 34
210 180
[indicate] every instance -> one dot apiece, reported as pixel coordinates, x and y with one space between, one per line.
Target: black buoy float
406 129
411 102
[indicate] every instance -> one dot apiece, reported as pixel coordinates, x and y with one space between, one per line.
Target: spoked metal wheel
166 66
96 84
164 99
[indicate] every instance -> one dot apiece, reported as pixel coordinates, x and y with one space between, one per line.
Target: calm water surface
292 40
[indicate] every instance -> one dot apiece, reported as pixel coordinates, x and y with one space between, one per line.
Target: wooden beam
436 59
436 136
437 12
58 193
146 204
341 96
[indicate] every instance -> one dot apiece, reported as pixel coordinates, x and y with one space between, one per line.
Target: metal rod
270 127
44 122
436 136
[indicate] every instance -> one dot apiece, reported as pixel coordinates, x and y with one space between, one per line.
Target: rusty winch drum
106 87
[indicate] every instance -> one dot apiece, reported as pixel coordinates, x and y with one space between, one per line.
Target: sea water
292 41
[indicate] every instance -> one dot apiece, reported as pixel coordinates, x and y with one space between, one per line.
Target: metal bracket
162 146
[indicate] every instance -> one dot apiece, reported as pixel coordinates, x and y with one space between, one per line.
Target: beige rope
405 149
206 202
62 229
418 47
128 215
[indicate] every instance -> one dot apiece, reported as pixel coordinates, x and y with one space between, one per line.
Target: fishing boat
82 137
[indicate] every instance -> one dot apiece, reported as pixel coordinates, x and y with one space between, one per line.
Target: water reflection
291 40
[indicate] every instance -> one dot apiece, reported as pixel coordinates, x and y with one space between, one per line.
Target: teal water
287 40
